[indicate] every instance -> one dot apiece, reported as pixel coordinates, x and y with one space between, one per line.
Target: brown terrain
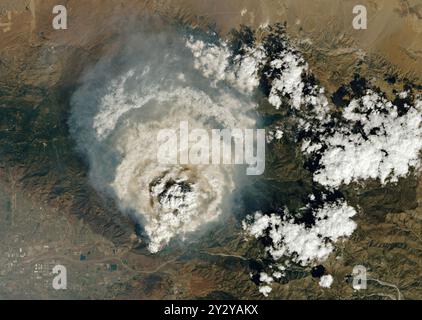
49 213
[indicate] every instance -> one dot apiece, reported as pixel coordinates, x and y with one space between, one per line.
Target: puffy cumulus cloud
289 81
274 134
124 102
370 139
265 290
265 287
387 145
303 244
326 281
288 240
292 84
216 61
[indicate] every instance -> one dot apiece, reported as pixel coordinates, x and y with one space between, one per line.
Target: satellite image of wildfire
211 149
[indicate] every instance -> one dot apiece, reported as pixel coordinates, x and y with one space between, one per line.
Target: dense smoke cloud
122 104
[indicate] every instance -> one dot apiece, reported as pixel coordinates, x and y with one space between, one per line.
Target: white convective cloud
116 117
214 62
390 145
392 141
290 70
386 148
326 281
303 244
